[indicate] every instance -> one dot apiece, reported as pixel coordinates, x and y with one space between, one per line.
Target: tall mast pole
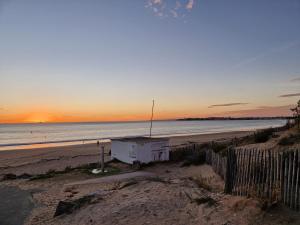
151 118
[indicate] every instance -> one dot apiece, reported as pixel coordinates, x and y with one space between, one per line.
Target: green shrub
289 140
195 158
218 147
263 135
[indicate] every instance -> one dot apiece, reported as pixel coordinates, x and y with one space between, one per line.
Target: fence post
285 178
289 180
227 176
268 186
297 181
293 182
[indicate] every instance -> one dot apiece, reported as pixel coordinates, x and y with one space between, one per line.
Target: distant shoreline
235 118
162 120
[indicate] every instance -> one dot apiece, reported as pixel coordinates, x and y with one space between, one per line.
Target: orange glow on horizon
44 116
53 117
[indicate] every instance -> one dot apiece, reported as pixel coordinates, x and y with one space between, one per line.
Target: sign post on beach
102 158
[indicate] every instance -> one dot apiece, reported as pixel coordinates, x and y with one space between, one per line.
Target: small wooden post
102 158
285 178
289 180
297 182
269 172
293 180
260 175
257 170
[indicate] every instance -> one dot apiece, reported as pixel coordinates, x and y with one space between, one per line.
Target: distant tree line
239 118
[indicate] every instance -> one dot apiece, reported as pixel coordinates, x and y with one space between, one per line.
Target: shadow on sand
15 205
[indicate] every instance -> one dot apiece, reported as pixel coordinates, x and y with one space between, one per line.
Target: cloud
228 104
157 1
190 4
177 5
174 13
283 110
278 49
170 9
157 7
289 95
295 79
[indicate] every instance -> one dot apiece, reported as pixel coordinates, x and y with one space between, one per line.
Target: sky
105 60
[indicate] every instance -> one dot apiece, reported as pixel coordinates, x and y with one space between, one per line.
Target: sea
37 135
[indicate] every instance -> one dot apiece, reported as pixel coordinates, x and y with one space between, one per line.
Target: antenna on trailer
151 118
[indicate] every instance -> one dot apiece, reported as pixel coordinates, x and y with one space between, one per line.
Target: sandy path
119 177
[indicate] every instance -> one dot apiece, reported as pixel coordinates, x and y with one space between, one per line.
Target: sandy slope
170 198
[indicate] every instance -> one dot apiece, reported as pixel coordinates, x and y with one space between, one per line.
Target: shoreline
25 140
41 160
54 144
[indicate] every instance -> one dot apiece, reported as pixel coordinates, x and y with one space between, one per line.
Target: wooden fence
181 152
217 162
270 175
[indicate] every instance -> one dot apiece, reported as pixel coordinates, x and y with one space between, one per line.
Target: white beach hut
140 149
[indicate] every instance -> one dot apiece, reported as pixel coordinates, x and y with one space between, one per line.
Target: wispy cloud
157 1
177 5
228 104
171 9
289 95
278 49
190 4
295 79
174 13
283 110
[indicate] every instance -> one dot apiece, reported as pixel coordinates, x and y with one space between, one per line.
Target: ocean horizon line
159 120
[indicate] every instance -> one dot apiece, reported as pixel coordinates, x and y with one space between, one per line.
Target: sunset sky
105 60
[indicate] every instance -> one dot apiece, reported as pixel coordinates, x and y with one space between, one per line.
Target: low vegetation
194 158
202 182
263 136
83 169
68 207
218 147
10 176
289 140
52 173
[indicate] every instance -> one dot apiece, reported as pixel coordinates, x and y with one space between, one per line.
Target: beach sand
41 160
163 193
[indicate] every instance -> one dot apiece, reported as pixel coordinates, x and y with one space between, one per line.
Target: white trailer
140 149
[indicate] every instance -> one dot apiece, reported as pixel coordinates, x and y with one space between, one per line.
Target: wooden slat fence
270 175
217 162
266 174
179 153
